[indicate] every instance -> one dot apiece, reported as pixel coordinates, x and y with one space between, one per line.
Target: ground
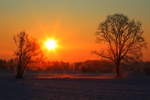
67 88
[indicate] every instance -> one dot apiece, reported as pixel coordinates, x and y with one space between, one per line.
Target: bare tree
27 48
123 38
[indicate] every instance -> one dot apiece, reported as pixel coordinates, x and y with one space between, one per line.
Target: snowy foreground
73 88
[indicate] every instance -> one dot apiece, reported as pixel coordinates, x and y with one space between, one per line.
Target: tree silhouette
27 48
123 38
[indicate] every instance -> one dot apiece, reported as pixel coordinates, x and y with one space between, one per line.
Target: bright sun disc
50 44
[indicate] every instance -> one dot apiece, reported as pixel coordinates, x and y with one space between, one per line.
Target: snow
86 87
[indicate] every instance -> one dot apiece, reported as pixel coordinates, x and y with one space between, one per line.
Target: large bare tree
123 38
27 48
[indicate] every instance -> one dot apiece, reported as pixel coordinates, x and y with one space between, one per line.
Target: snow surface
34 87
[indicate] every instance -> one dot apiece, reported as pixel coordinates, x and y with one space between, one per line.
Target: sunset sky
72 23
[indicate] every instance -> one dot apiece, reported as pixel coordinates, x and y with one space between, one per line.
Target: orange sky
72 22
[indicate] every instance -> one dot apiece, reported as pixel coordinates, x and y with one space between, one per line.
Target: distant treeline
90 66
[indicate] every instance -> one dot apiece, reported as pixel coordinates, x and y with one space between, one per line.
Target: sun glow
50 44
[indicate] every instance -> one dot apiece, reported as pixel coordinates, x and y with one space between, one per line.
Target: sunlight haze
73 22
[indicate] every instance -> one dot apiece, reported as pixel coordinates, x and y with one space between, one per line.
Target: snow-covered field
69 88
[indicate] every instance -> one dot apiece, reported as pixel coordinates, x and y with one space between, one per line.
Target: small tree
123 38
26 49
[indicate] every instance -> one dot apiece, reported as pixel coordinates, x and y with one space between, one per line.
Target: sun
50 44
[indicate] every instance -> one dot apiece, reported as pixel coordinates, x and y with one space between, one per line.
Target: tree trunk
118 70
20 71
